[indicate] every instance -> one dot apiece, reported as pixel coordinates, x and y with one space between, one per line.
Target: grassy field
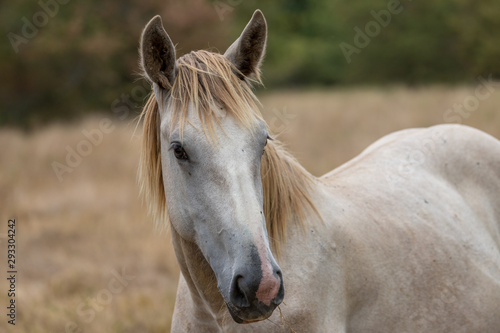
75 236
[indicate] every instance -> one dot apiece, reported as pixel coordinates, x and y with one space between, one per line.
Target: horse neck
198 274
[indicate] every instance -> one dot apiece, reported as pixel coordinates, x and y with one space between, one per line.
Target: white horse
403 238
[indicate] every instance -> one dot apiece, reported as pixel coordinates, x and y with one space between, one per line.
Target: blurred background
337 76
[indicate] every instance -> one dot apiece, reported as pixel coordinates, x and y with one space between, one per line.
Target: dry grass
327 128
72 234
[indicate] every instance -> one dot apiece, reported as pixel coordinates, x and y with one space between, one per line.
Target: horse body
423 237
403 238
399 250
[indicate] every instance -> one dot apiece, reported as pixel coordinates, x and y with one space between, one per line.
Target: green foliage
426 41
85 57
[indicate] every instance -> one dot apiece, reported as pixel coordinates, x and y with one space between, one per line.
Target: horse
403 238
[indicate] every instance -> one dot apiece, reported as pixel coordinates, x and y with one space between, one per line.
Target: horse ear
158 54
247 52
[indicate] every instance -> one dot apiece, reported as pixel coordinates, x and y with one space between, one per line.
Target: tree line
62 59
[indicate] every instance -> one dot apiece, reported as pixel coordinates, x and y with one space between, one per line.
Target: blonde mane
206 80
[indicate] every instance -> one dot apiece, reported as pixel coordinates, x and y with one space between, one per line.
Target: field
76 234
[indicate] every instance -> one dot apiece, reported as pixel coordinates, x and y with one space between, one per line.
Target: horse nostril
239 291
281 292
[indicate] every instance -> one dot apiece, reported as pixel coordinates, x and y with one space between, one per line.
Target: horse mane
205 80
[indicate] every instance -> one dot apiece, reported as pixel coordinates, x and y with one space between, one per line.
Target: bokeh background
338 75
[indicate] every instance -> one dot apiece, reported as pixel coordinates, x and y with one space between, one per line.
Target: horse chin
253 317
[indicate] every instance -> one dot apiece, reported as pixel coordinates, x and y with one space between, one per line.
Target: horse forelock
206 80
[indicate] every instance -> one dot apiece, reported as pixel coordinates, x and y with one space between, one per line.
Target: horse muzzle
253 297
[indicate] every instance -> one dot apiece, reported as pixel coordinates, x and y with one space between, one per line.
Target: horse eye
179 152
265 144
